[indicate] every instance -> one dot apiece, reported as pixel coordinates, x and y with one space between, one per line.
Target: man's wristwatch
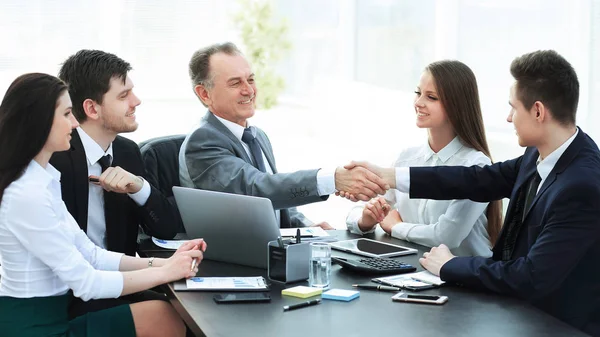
150 260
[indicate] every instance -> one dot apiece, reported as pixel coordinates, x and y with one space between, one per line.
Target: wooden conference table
467 312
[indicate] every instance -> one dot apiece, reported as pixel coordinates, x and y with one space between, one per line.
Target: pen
93 180
375 287
389 284
302 305
298 235
423 281
193 264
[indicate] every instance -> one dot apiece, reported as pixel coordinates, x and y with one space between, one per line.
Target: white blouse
459 224
43 251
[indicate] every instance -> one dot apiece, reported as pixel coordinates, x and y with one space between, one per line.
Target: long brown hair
26 115
456 86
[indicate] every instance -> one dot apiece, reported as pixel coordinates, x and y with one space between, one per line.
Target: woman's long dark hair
457 88
26 115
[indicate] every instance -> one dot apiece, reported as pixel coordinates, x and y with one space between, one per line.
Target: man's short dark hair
199 64
547 77
88 74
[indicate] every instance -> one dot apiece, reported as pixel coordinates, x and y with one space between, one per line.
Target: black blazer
123 215
555 263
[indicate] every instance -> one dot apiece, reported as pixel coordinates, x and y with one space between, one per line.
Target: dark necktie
105 162
533 187
524 201
257 157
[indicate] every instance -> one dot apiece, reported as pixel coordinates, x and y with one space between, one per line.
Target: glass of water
320 265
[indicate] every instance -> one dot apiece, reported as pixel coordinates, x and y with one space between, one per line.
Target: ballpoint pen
302 305
193 264
424 281
375 287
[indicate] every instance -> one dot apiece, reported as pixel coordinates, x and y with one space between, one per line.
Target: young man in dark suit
101 175
549 248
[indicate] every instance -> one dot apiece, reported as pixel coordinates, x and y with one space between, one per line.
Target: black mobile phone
242 297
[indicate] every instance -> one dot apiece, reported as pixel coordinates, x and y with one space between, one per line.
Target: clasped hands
181 264
363 181
375 181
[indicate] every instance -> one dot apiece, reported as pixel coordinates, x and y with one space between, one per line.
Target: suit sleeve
212 164
571 228
481 184
159 217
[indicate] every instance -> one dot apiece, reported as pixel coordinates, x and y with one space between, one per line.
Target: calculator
374 265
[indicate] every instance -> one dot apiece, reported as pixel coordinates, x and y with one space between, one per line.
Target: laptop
237 228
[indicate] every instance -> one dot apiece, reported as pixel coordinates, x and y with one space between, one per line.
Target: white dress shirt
546 165
325 178
43 251
459 224
96 222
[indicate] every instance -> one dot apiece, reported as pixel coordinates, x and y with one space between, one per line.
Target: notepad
252 283
341 295
412 281
301 291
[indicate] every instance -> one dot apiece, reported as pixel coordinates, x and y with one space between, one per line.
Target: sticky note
302 291
340 295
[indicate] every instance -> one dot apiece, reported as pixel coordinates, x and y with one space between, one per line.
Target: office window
350 74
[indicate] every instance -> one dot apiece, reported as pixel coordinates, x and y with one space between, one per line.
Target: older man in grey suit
226 154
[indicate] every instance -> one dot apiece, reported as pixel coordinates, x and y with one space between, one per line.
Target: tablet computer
372 248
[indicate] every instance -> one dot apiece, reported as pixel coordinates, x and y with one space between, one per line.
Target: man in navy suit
549 249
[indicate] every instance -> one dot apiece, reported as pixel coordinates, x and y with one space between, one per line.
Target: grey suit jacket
212 158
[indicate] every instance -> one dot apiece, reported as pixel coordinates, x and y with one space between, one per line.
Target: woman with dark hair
447 105
46 258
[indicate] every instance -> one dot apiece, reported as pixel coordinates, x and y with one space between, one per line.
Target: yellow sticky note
302 291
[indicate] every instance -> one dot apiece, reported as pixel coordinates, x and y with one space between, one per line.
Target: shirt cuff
352 221
325 182
112 284
109 260
401 230
403 179
140 197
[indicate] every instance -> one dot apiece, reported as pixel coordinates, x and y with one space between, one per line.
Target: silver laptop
236 227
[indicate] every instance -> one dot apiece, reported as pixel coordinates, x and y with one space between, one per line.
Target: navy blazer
556 261
123 216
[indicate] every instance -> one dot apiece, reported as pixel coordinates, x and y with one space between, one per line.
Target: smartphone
242 297
428 299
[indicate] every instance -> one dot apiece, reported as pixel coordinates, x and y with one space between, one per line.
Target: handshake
363 181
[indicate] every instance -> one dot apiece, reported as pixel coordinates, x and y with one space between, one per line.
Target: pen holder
288 264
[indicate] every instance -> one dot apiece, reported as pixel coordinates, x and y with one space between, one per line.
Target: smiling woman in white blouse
46 258
447 105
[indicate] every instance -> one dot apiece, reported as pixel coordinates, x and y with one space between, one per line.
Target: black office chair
161 160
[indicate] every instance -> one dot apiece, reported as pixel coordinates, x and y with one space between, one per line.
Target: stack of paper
340 295
302 291
420 279
427 277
